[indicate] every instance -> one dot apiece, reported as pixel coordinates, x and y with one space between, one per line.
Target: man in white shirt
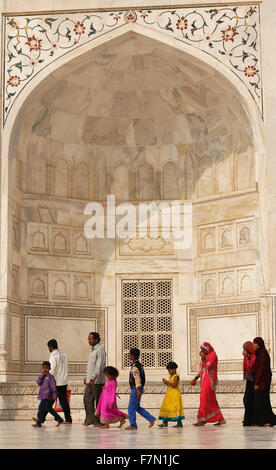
94 380
59 369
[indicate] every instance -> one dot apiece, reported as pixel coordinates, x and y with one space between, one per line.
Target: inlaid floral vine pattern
230 34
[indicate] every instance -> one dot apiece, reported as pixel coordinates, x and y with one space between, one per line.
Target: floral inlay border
230 34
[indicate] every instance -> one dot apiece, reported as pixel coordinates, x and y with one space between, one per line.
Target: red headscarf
249 360
210 364
207 347
261 371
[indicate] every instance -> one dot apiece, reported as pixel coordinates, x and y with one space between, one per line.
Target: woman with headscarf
248 399
263 414
209 411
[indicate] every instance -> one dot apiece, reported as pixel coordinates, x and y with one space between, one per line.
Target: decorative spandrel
229 34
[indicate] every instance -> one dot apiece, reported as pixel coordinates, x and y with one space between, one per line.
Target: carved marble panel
70 326
208 285
59 286
38 238
37 284
246 281
80 245
141 247
246 234
83 287
227 280
227 236
15 279
235 282
60 241
240 320
207 240
15 233
15 337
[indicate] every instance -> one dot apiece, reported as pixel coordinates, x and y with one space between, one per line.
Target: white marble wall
145 121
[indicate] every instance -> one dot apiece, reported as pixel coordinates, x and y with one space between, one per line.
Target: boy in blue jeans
137 381
47 395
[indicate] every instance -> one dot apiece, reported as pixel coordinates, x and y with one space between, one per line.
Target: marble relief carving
224 283
140 247
230 34
59 240
144 182
220 237
214 312
57 314
60 286
16 233
15 282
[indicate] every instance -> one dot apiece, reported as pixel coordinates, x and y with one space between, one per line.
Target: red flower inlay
250 71
34 43
182 23
79 28
229 34
14 80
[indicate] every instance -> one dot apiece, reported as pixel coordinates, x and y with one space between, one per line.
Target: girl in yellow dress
172 408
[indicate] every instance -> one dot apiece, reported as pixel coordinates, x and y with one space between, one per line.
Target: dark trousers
91 399
263 412
45 407
248 401
62 395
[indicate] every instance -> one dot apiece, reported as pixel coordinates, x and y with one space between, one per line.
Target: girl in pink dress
209 411
107 409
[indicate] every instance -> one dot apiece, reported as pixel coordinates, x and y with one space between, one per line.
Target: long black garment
248 401
263 412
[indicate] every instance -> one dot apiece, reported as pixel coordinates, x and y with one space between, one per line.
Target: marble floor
21 435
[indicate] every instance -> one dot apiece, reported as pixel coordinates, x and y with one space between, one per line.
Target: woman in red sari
209 411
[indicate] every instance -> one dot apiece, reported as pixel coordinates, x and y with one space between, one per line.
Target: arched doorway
147 122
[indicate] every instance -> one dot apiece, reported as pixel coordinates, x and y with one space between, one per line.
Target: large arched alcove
146 122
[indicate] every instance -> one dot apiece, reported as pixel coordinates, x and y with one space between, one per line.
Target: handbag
57 406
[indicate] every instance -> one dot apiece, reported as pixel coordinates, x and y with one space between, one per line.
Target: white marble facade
149 105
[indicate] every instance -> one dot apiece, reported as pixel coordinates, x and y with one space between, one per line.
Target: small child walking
172 408
47 395
137 380
107 409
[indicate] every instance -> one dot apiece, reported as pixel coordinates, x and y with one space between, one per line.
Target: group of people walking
100 395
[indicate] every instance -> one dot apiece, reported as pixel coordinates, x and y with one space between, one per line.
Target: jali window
147 321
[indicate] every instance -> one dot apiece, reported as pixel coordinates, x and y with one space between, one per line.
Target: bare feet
36 426
222 421
152 423
130 428
122 422
34 419
177 426
59 423
199 423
